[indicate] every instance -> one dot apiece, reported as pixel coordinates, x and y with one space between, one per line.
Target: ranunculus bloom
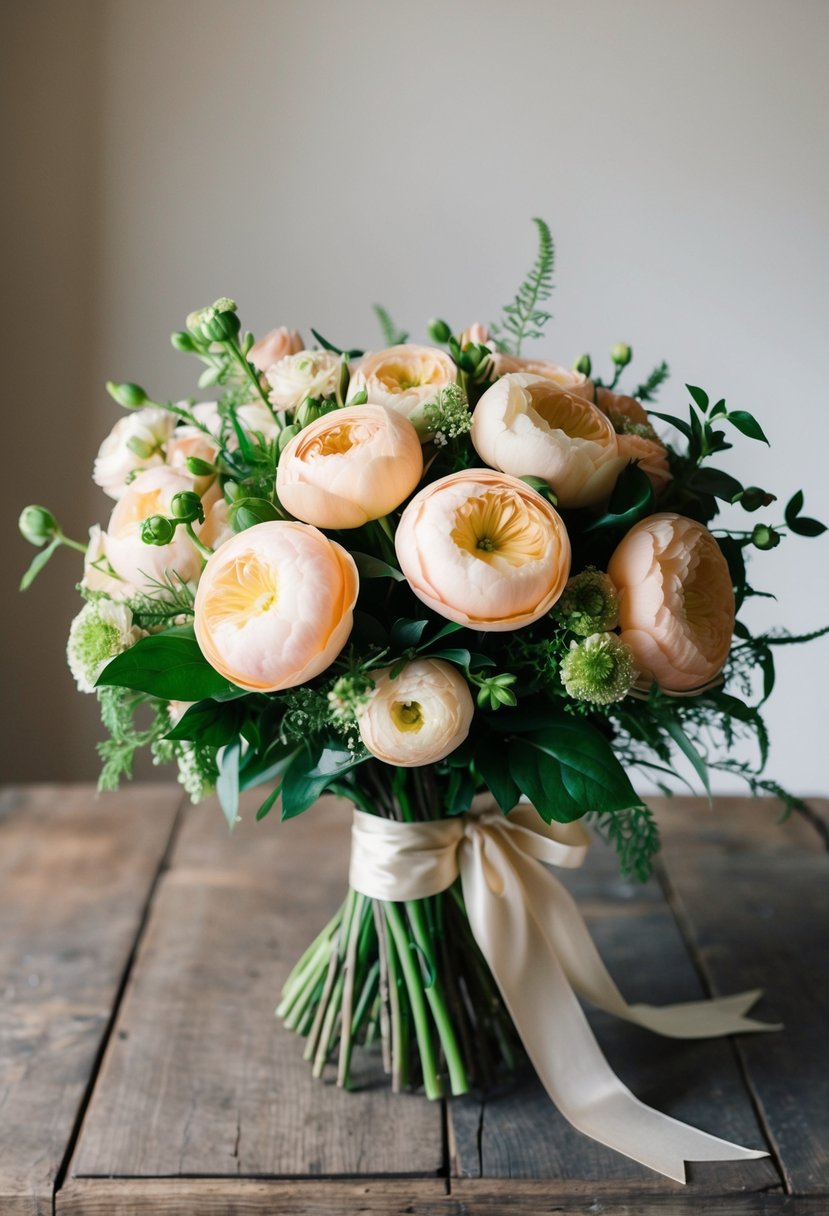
404 379
309 373
566 378
97 571
274 605
650 455
273 347
418 717
484 550
527 426
187 441
101 630
135 442
676 601
350 466
151 493
621 410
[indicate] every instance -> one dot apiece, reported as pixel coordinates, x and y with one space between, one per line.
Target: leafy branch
524 318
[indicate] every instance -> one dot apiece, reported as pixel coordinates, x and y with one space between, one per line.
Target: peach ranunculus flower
308 373
635 436
405 379
484 550
350 466
137 563
527 426
566 378
273 347
621 410
135 442
676 601
274 605
419 716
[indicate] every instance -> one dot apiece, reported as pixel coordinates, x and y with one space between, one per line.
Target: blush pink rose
676 601
273 347
484 550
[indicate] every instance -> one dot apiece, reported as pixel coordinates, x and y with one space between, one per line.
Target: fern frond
391 334
634 835
524 318
647 389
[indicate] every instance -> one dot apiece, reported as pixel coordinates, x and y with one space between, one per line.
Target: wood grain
199 1078
519 1134
753 896
75 874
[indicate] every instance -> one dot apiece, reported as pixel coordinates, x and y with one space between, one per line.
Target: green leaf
492 762
793 507
167 665
259 767
674 729
268 803
406 633
392 336
647 389
227 783
38 562
632 499
336 350
451 655
523 318
214 723
681 425
310 772
699 396
715 481
369 566
804 526
747 424
247 512
570 770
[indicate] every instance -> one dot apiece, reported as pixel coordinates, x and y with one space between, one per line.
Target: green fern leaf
647 389
525 318
391 334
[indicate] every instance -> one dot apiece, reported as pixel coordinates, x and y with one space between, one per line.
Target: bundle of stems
408 976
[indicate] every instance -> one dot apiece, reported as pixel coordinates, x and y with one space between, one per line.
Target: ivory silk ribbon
539 951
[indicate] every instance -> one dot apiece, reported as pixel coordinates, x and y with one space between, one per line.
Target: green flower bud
183 341
359 398
589 604
621 354
199 467
438 330
753 498
600 669
187 506
225 304
131 396
219 325
495 691
583 364
142 449
307 413
37 525
286 435
764 537
157 530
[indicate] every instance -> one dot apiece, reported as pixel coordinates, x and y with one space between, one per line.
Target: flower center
246 589
500 525
333 442
562 412
407 716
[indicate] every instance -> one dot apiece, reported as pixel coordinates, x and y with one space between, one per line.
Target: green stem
236 352
458 1080
431 1076
71 544
204 550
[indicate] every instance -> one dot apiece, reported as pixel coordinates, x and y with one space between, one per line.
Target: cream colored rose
526 426
273 347
135 442
151 493
310 373
484 549
187 441
405 379
676 601
419 716
566 378
274 605
97 571
350 466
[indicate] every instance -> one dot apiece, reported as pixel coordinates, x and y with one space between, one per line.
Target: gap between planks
163 865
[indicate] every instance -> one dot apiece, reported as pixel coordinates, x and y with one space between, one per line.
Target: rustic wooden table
141 1069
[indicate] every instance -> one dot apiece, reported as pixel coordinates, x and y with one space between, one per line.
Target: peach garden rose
676 601
527 426
274 346
274 605
405 379
566 378
418 716
350 466
483 549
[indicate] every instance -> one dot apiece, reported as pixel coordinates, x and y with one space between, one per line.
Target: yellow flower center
399 376
562 412
500 524
334 442
245 589
407 716
138 507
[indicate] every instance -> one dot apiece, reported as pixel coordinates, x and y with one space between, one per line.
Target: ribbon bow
541 954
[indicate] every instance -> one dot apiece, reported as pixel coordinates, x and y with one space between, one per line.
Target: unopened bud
157 530
621 354
187 506
131 396
583 364
285 436
37 525
438 330
199 467
764 537
753 498
307 413
183 341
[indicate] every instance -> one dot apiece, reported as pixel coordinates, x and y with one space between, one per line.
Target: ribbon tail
569 939
552 1024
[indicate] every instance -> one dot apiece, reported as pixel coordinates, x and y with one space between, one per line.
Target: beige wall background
310 157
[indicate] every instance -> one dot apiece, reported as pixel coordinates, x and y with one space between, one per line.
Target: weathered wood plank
753 895
519 1134
199 1078
75 874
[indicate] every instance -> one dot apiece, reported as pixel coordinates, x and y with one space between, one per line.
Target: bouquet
472 592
